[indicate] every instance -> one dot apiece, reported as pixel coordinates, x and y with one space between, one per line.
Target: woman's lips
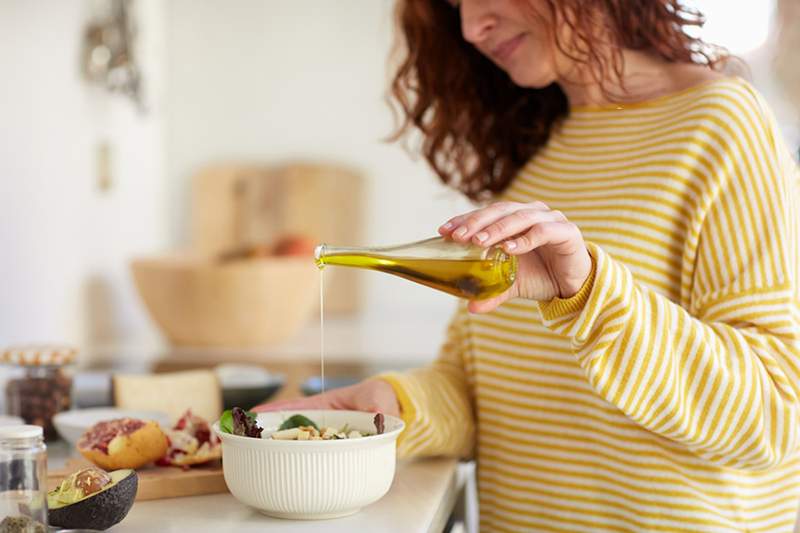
504 50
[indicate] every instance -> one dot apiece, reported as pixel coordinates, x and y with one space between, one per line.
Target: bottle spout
319 255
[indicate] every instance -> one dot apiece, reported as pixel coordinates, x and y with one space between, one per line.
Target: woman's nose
477 20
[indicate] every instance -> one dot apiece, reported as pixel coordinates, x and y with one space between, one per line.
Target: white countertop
422 497
420 500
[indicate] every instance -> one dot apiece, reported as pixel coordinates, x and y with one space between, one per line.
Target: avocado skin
99 511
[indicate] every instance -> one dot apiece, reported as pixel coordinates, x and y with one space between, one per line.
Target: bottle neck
435 248
325 254
320 252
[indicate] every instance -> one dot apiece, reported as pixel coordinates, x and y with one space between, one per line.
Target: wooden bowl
245 303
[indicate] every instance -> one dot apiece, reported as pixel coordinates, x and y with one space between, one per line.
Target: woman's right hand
373 395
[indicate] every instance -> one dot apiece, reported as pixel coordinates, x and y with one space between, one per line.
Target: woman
643 371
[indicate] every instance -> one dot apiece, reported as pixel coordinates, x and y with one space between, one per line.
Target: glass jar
39 388
23 479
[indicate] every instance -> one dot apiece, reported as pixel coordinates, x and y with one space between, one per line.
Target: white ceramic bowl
311 479
72 424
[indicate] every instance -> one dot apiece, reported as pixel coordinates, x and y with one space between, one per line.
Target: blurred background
149 147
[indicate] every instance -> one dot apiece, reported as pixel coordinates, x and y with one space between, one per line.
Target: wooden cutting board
158 482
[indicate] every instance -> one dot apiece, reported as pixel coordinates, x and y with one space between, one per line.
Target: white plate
72 424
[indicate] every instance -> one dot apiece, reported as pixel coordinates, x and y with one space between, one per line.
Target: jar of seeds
39 387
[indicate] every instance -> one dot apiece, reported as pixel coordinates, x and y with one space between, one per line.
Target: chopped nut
286 434
309 432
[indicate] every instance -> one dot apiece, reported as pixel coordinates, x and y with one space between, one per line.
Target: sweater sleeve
435 402
718 372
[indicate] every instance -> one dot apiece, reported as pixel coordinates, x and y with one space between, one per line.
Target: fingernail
482 236
447 225
460 232
510 245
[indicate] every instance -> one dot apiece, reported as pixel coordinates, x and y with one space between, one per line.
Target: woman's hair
479 128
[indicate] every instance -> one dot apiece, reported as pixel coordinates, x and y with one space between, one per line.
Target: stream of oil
322 328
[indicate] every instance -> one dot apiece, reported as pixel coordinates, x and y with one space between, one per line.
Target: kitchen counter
422 497
424 493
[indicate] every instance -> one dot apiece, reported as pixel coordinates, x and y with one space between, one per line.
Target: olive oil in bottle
465 271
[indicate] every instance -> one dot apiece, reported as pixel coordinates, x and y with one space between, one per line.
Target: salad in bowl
308 464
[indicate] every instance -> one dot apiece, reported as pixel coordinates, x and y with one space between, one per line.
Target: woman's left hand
553 260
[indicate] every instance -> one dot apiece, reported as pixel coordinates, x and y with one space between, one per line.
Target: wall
752 34
256 80
65 244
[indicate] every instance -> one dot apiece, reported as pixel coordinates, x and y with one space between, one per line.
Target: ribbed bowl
311 479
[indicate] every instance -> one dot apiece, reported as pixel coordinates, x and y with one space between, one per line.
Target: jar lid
20 432
9 420
39 355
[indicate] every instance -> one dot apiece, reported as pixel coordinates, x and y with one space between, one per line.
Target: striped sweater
665 395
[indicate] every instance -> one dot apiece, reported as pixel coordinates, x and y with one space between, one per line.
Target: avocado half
99 510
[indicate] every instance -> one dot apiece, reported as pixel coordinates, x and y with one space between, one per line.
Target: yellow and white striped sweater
665 395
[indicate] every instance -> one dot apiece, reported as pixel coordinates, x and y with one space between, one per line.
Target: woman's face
517 36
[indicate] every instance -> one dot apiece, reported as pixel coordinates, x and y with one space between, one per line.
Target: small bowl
311 479
247 397
247 385
71 425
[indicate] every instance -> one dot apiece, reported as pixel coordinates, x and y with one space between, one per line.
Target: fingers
490 304
446 229
544 233
513 224
471 226
461 228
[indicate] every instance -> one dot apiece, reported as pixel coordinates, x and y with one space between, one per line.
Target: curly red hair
479 128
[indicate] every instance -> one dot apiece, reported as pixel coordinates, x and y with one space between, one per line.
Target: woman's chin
531 80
